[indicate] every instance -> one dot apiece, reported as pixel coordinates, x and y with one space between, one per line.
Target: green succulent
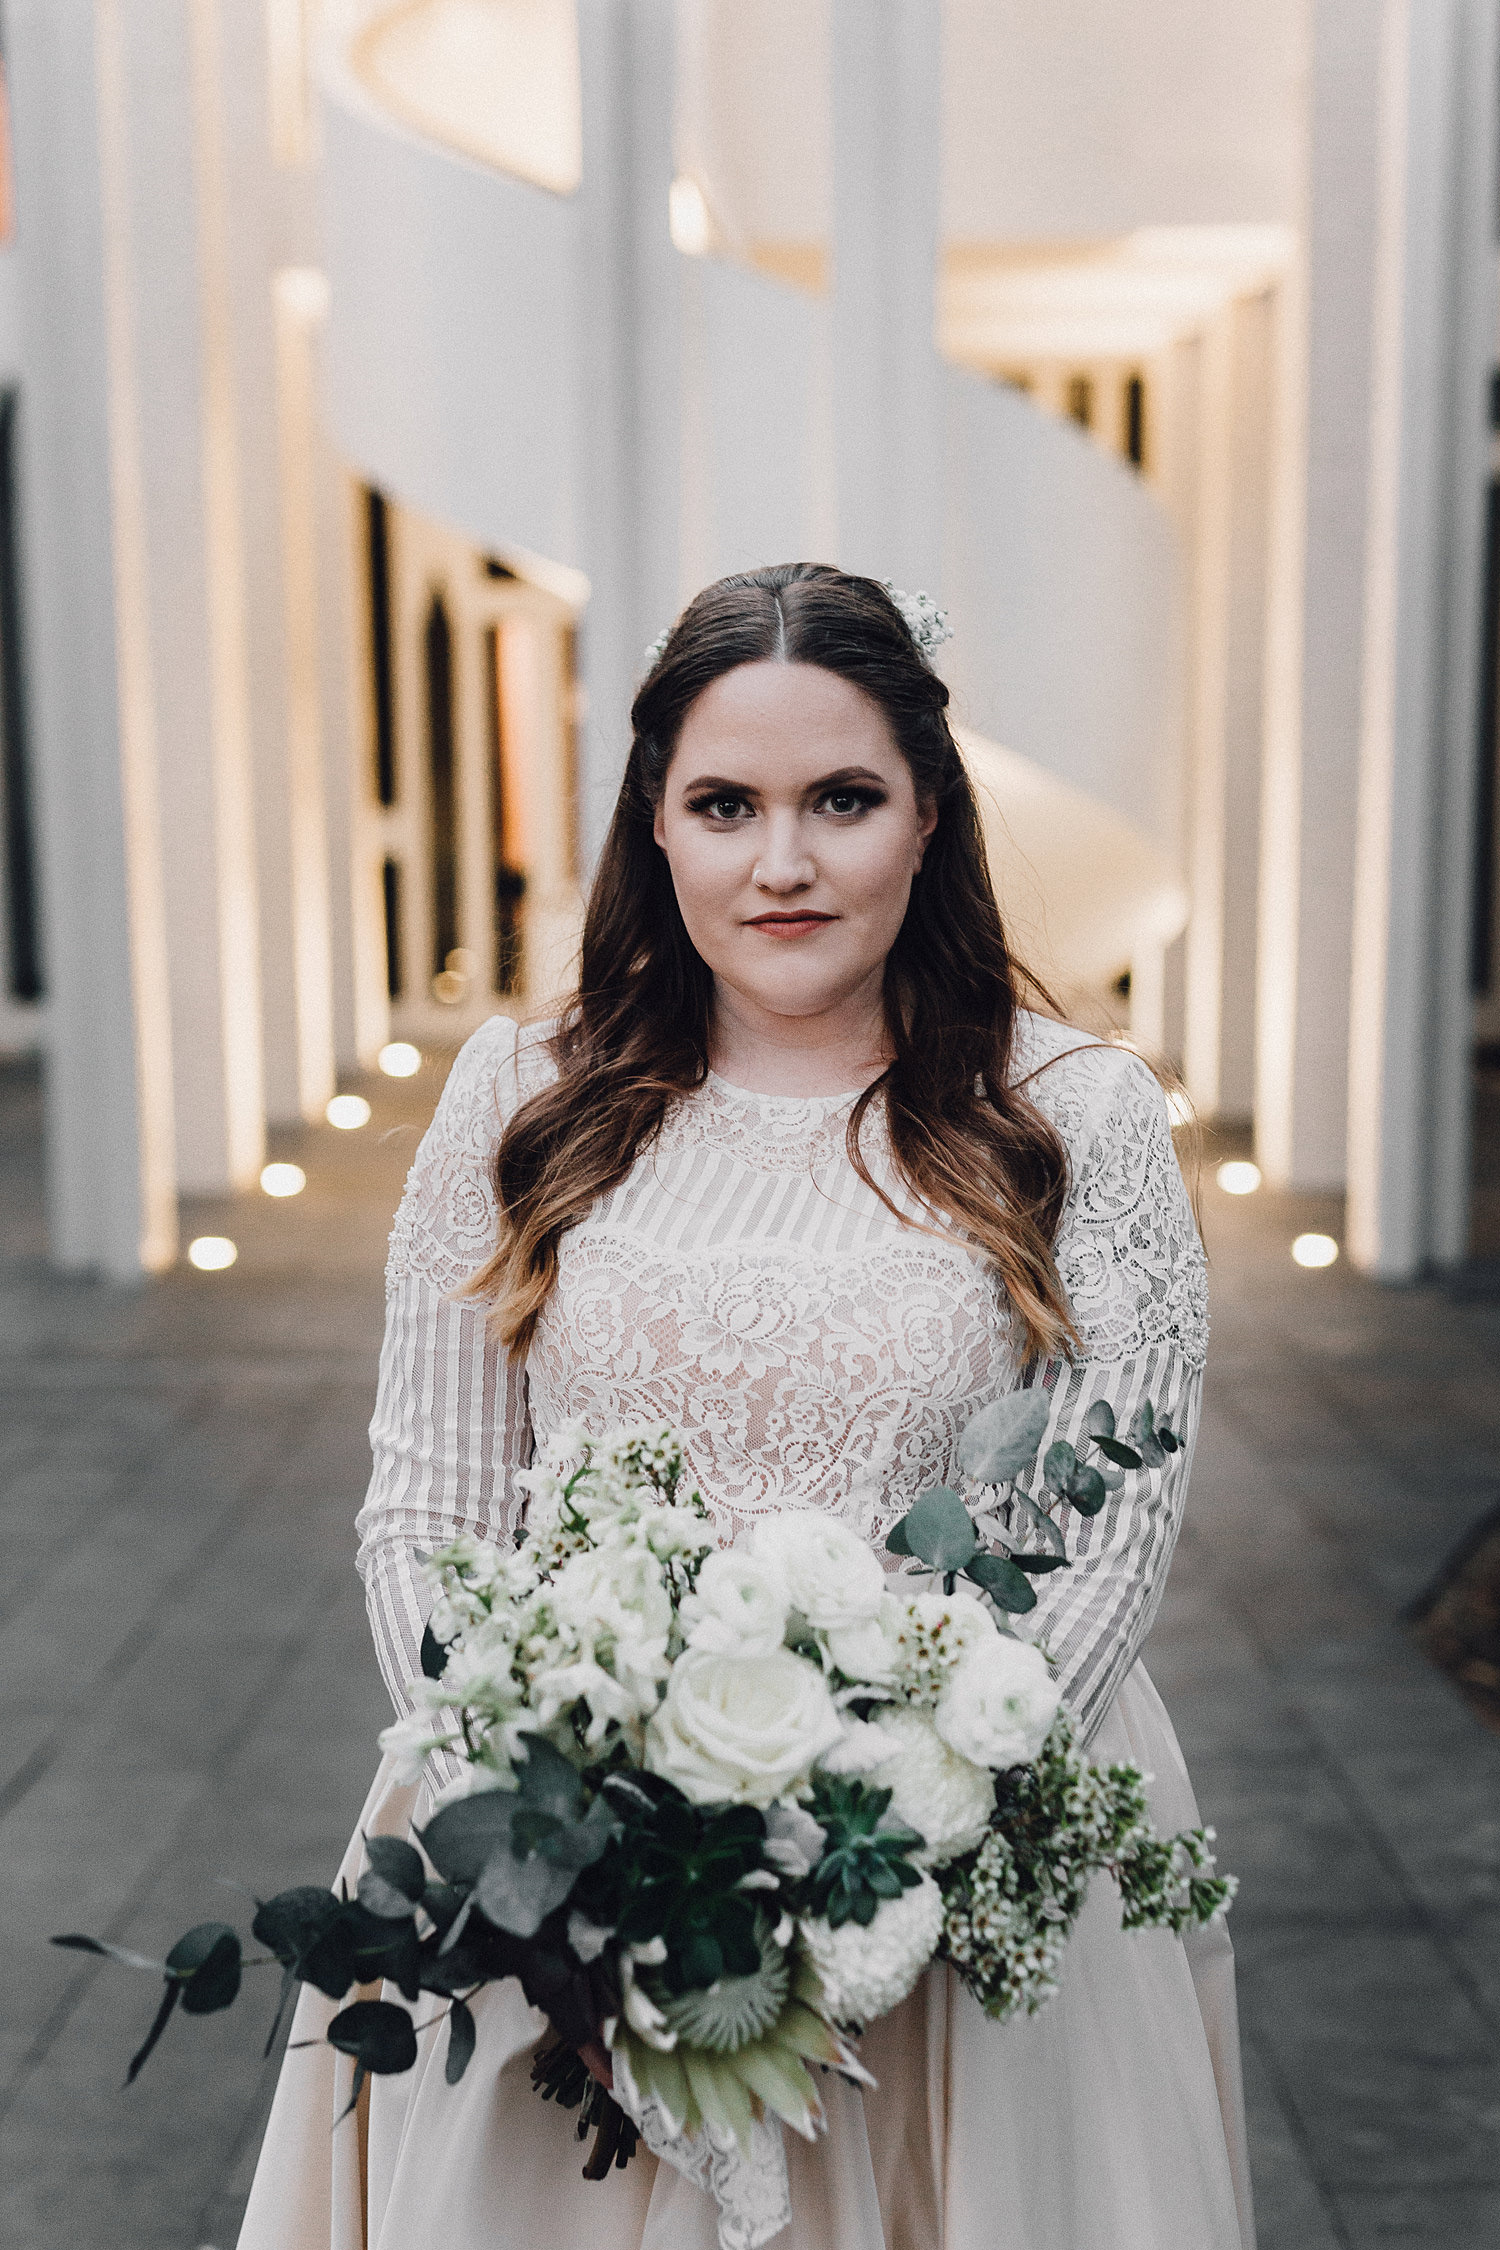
865 1857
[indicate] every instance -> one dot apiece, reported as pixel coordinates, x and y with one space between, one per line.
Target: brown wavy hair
635 1035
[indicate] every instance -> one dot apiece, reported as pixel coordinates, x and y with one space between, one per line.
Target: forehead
783 719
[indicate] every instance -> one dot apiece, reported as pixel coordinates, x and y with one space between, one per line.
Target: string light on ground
348 1112
1315 1250
211 1253
400 1059
1238 1177
283 1179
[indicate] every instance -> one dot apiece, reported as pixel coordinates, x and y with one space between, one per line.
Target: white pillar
1409 1058
1315 628
887 202
109 1122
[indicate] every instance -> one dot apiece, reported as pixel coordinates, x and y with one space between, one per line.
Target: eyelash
865 800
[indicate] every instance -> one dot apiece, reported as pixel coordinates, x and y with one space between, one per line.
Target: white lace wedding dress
745 1285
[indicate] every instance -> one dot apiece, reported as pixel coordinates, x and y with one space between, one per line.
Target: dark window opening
509 876
1135 421
390 885
1081 401
442 769
382 657
23 934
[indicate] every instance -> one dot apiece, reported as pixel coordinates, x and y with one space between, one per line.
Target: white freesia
408 1741
830 1573
738 1607
744 1728
999 1705
947 1798
867 1972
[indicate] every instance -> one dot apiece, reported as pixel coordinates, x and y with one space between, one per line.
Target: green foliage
675 1874
866 1858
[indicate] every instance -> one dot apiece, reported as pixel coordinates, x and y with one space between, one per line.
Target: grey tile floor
187 1693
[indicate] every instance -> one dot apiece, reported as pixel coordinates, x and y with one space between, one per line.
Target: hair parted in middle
635 1036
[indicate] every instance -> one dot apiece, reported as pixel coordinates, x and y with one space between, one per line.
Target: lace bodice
812 1346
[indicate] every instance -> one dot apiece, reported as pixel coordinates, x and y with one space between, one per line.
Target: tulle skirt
1113 2120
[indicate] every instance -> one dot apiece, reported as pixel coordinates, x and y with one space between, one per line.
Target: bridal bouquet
718 1809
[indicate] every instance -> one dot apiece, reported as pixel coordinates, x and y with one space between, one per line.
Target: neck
837 1050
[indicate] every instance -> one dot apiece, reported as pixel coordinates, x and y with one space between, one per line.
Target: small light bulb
283 1179
689 221
400 1059
211 1253
1238 1177
348 1112
1315 1250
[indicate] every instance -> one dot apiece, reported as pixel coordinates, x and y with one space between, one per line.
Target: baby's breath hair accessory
927 624
658 648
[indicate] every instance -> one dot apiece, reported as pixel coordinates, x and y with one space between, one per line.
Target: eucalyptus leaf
381 1898
546 1781
1002 1438
380 2036
288 1987
1041 1523
460 1838
1123 1456
206 1964
1005 1584
77 1943
895 1539
1100 1419
941 1531
434 1655
461 2041
1037 1566
400 1863
1086 1490
292 1923
1058 1465
518 1894
159 2022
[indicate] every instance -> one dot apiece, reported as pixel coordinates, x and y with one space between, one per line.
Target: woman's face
792 830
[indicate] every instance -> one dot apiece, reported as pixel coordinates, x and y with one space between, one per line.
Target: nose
785 863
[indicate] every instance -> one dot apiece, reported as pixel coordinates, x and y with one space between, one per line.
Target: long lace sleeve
1132 1264
451 1422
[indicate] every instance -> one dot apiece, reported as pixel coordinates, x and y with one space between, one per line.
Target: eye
720 805
847 804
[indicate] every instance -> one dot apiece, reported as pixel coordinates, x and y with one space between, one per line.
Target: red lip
787 921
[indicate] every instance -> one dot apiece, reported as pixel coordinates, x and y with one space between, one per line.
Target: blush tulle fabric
816 1344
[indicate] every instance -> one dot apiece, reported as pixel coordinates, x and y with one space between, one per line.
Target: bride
795 1172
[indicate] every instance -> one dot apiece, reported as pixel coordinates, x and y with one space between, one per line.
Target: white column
109 1120
1409 1059
887 202
1315 627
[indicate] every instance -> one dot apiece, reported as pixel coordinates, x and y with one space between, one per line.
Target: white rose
947 1798
831 1575
999 1704
744 1728
738 1608
868 1650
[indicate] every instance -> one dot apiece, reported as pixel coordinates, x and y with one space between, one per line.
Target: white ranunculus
744 1728
867 1972
831 1575
999 1704
738 1607
868 1650
947 1798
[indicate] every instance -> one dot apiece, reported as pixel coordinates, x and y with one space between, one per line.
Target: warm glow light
1179 1108
211 1253
400 1059
1315 1250
689 218
283 1179
348 1112
1238 1177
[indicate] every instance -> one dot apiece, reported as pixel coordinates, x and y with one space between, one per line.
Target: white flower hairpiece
927 624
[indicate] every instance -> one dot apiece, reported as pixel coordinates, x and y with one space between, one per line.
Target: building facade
376 381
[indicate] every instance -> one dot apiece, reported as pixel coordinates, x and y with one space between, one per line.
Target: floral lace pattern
746 1285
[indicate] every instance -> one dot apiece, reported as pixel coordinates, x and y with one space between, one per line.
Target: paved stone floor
186 1693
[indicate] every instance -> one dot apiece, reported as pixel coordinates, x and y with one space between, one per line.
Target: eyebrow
838 779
